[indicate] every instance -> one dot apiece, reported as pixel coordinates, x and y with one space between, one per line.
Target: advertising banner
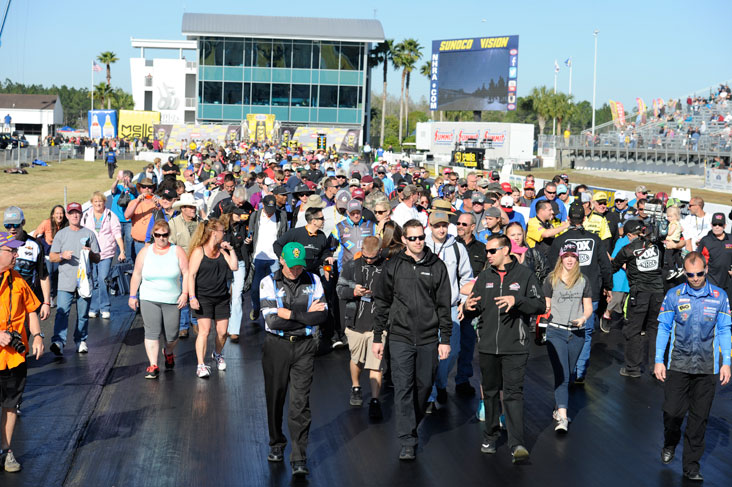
260 126
346 139
137 123
718 179
102 123
179 136
641 110
621 114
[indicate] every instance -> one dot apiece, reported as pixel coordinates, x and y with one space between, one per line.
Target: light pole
594 83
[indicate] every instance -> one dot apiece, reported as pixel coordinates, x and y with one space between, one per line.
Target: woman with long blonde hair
212 260
569 299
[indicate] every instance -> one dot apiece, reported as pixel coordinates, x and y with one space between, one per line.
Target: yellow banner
137 123
260 126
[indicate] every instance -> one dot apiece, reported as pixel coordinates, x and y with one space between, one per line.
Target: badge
489 285
684 307
515 286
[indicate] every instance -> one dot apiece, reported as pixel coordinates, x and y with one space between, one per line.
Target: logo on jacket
515 286
684 307
585 249
489 285
647 259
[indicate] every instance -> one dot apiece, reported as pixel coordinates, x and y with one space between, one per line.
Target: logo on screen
511 72
513 52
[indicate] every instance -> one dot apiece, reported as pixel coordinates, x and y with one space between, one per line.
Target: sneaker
17 410
489 448
465 389
630 373
441 395
407 453
502 421
106 315
183 334
53 302
480 414
234 338
83 348
375 412
219 359
253 314
194 328
203 371
579 380
169 360
337 344
11 464
562 425
519 454
57 348
93 314
299 469
430 407
356 398
152 372
275 454
605 325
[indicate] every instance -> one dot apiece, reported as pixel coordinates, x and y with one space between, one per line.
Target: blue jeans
127 239
444 367
100 292
52 268
584 359
61 325
467 350
262 268
138 246
236 299
563 347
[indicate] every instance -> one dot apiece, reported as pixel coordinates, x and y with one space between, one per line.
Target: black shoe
275 454
667 454
56 349
299 469
441 395
697 476
519 454
635 374
430 408
465 389
356 398
489 448
580 381
407 453
604 325
253 315
375 412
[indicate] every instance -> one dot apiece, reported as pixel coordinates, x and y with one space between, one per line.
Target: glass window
233 53
232 93
282 54
348 97
263 53
200 92
329 96
246 94
212 52
260 93
212 92
316 55
300 95
329 55
301 53
350 56
248 53
280 94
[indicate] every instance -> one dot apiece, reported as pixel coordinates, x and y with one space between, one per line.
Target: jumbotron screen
477 73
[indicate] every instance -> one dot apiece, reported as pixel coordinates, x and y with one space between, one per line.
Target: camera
16 342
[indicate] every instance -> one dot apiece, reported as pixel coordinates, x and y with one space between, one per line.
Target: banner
260 126
350 142
655 108
347 139
621 114
614 112
179 136
641 109
718 179
137 123
102 123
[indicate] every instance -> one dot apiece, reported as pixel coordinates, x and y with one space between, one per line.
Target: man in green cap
293 306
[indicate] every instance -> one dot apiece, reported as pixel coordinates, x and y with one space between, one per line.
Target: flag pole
569 123
556 70
92 86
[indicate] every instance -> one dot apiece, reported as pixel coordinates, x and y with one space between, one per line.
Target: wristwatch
39 335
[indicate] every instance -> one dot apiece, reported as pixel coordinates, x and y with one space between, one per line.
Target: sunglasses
146 186
694 274
620 200
318 218
463 224
11 251
463 185
493 251
550 192
12 225
377 212
161 235
601 202
414 239
713 224
366 257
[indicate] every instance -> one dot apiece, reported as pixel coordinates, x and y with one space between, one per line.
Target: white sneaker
92 314
83 348
219 359
106 315
203 371
562 425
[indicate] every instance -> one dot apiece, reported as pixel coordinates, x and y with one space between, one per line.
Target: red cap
528 185
358 194
220 180
73 207
507 188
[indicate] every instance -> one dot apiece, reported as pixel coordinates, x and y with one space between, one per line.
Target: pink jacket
107 237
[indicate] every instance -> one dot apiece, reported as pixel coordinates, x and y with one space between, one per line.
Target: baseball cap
448 189
718 219
281 189
477 197
494 175
438 217
462 182
585 197
269 201
493 212
342 198
641 189
354 182
358 194
302 188
354 205
467 195
507 187
293 253
341 172
13 215
237 168
576 212
565 177
220 180
506 202
600 196
568 248
621 195
73 207
367 179
483 182
561 188
7 240
528 185
632 226
168 194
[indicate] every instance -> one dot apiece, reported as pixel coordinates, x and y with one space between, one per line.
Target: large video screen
474 74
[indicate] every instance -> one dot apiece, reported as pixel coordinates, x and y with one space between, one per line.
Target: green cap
294 254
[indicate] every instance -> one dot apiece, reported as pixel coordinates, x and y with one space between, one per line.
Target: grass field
43 187
588 178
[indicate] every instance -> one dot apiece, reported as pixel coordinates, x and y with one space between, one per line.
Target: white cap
621 195
506 201
268 181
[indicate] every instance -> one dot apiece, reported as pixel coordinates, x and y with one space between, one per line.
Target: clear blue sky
646 48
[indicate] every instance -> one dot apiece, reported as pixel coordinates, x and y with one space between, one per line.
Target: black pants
645 311
504 372
110 170
332 329
693 393
288 365
413 371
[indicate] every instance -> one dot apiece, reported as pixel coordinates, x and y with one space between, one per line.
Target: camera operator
18 305
642 259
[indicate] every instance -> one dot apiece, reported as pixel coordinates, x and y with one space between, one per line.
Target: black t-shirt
170 167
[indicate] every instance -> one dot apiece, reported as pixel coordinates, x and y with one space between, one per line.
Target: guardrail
19 157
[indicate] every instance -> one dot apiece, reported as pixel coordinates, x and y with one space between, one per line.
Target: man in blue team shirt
550 194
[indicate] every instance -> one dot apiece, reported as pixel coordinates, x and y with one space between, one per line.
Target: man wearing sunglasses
413 302
695 319
716 247
595 222
643 263
550 194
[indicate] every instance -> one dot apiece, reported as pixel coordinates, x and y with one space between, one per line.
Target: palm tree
382 54
426 71
562 108
415 52
408 52
541 101
108 58
102 92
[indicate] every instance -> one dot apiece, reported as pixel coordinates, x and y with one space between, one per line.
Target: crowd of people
411 271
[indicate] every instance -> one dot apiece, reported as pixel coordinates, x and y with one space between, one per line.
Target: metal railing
25 156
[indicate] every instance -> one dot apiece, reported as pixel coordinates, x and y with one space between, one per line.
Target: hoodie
456 259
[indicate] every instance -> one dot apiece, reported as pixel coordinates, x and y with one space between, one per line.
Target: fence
17 157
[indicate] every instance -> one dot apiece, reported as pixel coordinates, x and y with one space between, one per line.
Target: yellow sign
260 126
467 44
137 123
467 158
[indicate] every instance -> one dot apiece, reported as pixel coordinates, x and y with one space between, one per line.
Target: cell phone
574 322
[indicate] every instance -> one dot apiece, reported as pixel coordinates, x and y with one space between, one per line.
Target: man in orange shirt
139 212
18 303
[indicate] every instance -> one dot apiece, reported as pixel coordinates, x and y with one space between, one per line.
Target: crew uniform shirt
317 246
22 302
68 239
533 235
719 258
567 302
276 291
31 263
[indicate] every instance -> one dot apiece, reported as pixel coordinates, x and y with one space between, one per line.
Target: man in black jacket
716 247
595 266
413 302
293 306
505 296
